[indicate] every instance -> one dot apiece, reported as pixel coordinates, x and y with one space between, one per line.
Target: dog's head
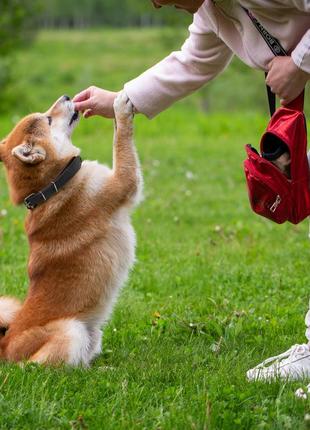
39 147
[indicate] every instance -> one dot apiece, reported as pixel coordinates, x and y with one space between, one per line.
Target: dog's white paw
123 107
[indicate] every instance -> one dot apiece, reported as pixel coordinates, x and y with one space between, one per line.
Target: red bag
271 193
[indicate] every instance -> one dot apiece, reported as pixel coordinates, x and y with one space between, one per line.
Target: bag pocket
268 188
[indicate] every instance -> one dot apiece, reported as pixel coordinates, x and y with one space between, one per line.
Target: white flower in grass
106 368
3 212
300 394
190 175
307 417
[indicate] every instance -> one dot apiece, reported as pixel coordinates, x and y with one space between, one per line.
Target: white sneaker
292 364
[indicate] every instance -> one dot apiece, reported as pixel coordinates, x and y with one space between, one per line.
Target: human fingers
84 105
270 64
88 113
83 95
268 78
276 80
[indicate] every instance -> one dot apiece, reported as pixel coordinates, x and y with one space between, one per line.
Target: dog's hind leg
62 341
68 342
9 306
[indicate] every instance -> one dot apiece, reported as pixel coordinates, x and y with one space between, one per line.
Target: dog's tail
9 306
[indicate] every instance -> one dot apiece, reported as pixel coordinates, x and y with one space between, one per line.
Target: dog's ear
29 152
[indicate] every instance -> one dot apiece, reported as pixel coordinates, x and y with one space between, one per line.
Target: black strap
273 43
35 199
271 98
276 48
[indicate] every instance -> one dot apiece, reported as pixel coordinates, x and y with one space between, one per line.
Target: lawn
215 289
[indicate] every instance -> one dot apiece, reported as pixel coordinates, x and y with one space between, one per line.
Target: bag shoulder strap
275 47
273 43
271 98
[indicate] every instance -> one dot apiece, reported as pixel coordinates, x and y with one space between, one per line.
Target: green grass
215 288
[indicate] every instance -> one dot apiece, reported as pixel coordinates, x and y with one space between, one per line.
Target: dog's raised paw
123 107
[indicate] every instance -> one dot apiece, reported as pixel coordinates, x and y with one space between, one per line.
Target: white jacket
218 31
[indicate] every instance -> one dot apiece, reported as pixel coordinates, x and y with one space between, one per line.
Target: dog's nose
65 98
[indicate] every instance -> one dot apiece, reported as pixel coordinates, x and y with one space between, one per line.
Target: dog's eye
49 118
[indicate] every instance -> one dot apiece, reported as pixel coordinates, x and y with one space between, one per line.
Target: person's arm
286 79
288 76
202 57
301 54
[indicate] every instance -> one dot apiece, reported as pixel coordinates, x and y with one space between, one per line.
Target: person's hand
286 79
95 101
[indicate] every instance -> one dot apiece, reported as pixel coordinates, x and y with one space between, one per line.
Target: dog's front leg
125 184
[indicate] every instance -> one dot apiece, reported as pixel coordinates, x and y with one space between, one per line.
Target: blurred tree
16 29
94 13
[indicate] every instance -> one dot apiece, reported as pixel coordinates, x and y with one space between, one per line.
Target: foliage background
21 19
93 13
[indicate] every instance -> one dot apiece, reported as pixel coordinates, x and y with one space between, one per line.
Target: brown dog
82 244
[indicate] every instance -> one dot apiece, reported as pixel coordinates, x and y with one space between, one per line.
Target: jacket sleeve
202 57
301 54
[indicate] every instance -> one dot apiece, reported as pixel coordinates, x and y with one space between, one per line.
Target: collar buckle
28 203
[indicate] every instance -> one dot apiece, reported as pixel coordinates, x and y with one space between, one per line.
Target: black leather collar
35 199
